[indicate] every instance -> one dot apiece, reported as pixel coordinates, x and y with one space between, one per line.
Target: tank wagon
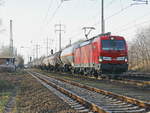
67 57
104 53
53 62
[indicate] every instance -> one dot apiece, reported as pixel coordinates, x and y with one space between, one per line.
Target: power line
80 32
53 15
131 22
49 7
75 35
123 9
112 15
137 2
128 28
110 3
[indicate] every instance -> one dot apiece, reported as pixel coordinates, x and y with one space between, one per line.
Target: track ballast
108 102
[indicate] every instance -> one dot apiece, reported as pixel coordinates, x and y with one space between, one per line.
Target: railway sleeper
120 105
84 111
76 105
115 102
123 108
129 111
116 105
79 108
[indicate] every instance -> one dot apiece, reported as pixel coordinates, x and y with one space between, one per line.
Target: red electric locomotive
101 54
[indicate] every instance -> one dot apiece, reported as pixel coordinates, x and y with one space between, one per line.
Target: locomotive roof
103 34
86 42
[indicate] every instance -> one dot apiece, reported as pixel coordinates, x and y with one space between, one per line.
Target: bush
6 85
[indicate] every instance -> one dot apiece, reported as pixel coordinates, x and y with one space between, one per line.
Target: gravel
32 97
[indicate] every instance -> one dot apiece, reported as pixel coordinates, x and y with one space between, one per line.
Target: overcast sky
34 21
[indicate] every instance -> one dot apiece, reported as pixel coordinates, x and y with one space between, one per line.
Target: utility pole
89 30
102 17
37 50
70 42
60 30
11 39
136 2
47 46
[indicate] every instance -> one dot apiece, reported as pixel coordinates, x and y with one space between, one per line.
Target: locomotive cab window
113 44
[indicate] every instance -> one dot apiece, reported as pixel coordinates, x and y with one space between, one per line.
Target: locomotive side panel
77 55
86 56
95 52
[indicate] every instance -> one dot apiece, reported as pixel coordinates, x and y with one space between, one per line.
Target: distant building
7 60
7 64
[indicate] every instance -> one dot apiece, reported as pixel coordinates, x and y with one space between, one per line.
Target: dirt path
11 103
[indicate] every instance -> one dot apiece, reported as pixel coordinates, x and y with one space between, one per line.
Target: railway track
89 99
125 79
133 80
138 83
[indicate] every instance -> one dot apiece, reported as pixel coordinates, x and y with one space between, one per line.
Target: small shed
6 60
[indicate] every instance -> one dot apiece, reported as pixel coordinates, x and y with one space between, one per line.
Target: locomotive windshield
113 44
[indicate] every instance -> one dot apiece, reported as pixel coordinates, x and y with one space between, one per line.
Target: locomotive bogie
115 68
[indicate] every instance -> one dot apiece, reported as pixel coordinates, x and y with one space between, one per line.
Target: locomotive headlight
126 60
120 58
107 58
112 38
100 59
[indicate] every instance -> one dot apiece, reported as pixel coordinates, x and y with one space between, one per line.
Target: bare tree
139 51
5 51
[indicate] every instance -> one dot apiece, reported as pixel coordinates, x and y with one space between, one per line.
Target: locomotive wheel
85 72
96 76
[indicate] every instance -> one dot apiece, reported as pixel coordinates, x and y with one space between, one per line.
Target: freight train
103 53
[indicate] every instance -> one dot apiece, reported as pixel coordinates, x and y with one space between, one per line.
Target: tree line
139 51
